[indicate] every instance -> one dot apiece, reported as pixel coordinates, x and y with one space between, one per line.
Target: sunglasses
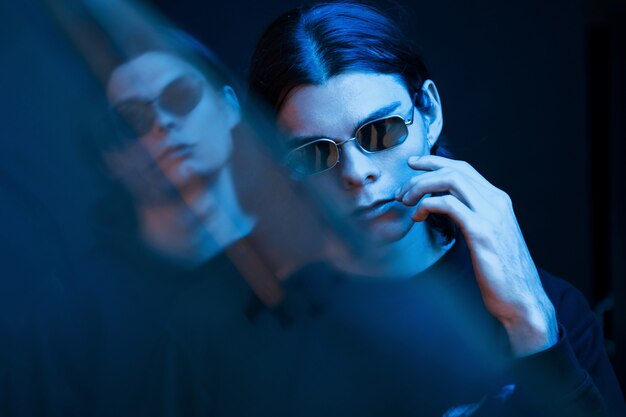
134 117
375 136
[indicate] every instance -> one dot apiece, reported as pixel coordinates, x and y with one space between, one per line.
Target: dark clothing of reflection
46 322
135 290
344 346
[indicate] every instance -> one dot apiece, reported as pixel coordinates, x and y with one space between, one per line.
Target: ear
233 108
430 109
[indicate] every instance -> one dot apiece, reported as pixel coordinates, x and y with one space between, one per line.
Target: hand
506 274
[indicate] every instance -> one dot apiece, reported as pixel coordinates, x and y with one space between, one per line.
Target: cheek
208 128
202 122
151 143
326 182
393 163
327 186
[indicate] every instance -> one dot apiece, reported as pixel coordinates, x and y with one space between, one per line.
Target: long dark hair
311 44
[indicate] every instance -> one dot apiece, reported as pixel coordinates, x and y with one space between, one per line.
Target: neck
414 253
205 219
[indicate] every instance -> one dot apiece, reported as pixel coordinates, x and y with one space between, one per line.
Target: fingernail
413 159
398 194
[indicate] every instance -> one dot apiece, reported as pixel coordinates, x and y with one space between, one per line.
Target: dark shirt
341 345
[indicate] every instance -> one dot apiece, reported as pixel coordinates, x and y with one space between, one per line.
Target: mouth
176 151
374 210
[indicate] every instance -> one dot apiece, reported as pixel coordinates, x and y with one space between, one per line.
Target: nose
357 169
164 121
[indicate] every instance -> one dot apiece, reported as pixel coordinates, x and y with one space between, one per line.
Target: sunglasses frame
407 122
152 103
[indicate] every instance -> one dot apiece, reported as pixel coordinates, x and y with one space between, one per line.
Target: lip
174 152
374 210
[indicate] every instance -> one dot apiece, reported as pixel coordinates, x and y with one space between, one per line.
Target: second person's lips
174 151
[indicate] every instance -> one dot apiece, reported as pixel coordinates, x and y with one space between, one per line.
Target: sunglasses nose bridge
345 142
339 146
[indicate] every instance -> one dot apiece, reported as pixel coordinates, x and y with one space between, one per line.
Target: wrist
532 329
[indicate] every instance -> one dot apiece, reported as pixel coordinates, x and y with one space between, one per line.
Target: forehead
332 109
146 75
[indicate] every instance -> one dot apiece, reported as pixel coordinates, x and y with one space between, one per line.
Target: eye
181 96
133 118
382 134
313 157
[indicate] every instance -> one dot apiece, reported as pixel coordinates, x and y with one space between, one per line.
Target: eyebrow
388 110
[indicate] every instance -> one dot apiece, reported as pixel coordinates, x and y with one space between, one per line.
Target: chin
386 232
187 173
209 169
179 178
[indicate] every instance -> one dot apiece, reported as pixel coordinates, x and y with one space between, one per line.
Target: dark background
533 96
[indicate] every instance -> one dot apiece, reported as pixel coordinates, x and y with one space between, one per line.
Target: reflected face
362 183
178 118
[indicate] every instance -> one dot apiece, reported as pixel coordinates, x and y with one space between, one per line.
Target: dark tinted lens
134 118
181 96
313 157
382 134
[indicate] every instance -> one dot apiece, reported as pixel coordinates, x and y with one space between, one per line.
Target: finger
440 181
434 162
460 214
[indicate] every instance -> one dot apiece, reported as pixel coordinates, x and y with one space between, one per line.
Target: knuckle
427 204
447 200
504 199
455 179
444 176
464 165
481 231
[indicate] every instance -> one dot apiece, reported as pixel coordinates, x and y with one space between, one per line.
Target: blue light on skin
335 110
206 215
399 182
205 131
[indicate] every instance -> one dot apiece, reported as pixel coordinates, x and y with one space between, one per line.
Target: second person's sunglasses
135 117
